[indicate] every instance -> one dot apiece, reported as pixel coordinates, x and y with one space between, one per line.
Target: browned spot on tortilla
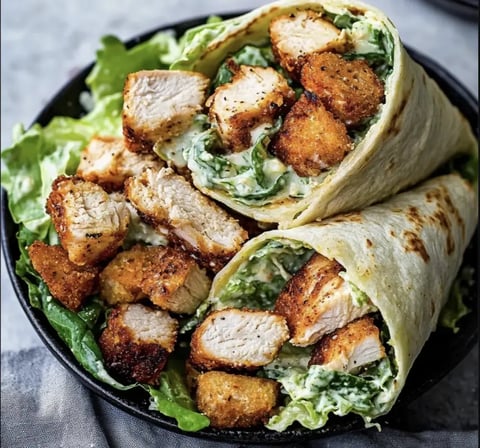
441 218
392 233
444 211
348 217
452 209
415 217
369 243
415 244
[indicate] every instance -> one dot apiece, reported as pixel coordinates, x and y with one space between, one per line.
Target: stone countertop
44 44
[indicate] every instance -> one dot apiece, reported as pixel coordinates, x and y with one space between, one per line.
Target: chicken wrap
361 293
314 108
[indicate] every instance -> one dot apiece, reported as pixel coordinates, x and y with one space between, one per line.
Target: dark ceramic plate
442 353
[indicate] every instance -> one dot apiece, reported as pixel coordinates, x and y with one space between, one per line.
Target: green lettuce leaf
115 62
172 399
455 307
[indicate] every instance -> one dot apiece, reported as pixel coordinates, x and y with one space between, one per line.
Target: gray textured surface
44 44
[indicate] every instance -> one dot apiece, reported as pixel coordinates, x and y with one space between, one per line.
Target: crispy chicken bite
349 89
137 342
311 140
160 104
253 99
67 282
350 347
236 401
236 339
164 198
317 301
296 35
91 225
169 277
106 161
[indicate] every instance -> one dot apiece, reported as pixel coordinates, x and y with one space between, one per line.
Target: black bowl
467 9
442 352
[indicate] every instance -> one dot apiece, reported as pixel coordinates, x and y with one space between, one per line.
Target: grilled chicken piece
235 339
349 89
296 35
169 277
317 301
311 140
350 347
196 223
137 342
236 401
91 225
160 104
251 101
106 161
68 283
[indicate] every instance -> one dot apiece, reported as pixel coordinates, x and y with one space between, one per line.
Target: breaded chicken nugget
91 225
169 277
237 339
137 342
67 282
311 140
349 89
236 401
298 34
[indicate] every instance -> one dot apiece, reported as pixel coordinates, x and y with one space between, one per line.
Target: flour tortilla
404 254
417 131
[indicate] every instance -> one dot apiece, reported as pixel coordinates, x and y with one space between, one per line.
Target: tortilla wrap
404 254
417 130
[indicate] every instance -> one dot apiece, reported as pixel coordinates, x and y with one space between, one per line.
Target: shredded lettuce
314 393
259 280
251 176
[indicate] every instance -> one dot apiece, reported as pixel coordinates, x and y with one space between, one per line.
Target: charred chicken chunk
236 339
164 198
296 35
317 301
67 282
106 161
90 224
236 401
349 89
169 277
254 97
160 104
350 347
137 342
311 140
